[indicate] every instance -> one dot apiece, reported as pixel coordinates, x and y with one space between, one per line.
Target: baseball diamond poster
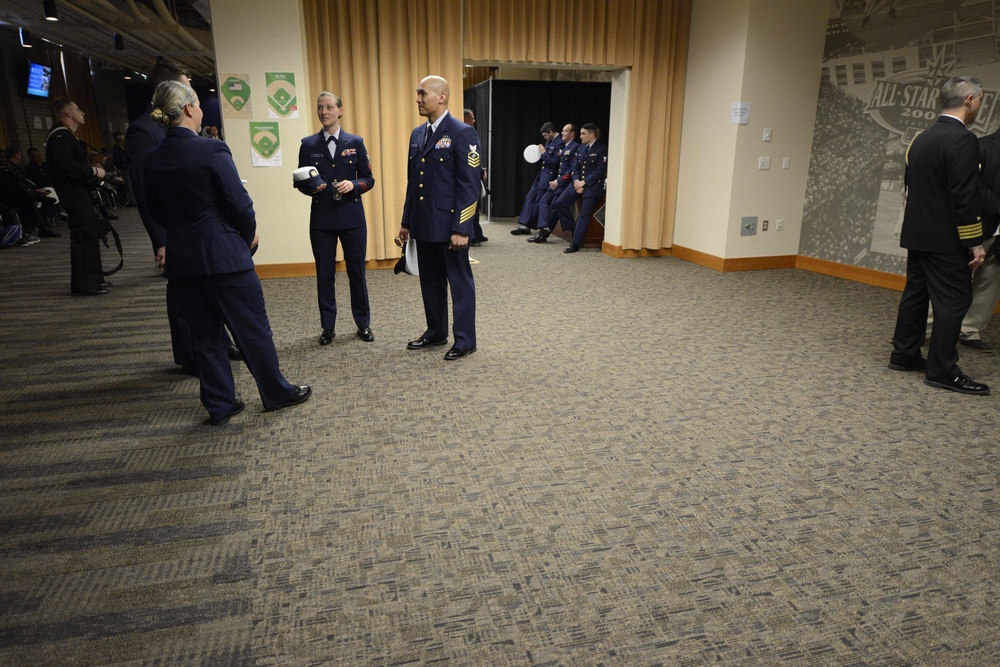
281 97
265 144
236 101
883 67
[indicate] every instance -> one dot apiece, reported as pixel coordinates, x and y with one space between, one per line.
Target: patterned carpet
646 463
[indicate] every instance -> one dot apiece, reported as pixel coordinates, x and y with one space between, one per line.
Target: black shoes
48 232
541 237
572 248
977 345
365 335
960 383
422 343
101 291
234 353
458 352
918 365
326 337
302 394
240 406
520 230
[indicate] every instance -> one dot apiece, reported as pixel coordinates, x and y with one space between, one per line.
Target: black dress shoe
458 352
541 237
978 345
572 248
916 365
106 284
423 343
475 244
482 239
520 230
302 395
960 383
89 292
234 353
48 232
240 405
366 334
326 337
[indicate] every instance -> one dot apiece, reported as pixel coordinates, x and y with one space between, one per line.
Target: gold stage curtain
648 36
373 54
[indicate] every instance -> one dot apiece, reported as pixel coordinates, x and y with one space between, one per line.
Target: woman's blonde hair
169 100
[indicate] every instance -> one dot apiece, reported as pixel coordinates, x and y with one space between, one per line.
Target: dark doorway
510 121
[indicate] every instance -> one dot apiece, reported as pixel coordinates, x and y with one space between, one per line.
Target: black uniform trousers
236 299
440 268
324 247
85 233
944 279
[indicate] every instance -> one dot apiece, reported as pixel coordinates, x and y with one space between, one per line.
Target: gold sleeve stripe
966 232
467 213
474 161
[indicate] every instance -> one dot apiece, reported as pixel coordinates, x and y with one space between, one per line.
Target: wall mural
883 67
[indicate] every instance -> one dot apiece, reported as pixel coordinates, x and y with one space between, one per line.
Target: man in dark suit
478 238
942 232
73 178
986 278
142 136
589 172
442 194
337 214
210 232
549 152
547 217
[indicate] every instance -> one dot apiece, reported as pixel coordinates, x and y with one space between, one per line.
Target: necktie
427 136
332 149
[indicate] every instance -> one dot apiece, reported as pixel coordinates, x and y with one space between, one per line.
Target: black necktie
331 140
427 136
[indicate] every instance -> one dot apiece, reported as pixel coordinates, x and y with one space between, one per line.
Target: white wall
253 37
767 53
714 80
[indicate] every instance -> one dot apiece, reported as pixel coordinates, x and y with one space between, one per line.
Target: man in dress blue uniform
589 172
550 153
442 193
142 136
73 176
564 176
337 214
942 232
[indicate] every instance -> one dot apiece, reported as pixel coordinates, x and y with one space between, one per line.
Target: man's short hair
956 89
166 70
11 151
59 105
547 127
593 128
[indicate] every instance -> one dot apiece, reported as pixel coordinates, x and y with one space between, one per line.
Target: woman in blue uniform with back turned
195 193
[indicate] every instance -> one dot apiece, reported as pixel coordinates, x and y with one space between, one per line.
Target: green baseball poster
265 144
281 98
235 89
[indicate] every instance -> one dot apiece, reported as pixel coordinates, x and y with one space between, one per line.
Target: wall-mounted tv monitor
39 78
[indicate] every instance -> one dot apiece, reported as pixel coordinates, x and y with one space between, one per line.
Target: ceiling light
25 38
50 10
